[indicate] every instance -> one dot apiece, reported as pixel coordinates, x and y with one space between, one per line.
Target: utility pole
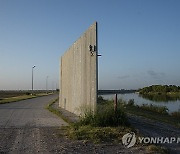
47 84
32 77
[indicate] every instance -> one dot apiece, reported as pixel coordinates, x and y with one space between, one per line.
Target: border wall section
79 74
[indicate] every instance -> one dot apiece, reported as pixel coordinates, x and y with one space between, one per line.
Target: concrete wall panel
78 74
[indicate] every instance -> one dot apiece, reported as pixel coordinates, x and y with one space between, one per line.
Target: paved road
29 113
24 125
156 129
27 128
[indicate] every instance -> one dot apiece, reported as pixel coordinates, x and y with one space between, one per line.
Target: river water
172 105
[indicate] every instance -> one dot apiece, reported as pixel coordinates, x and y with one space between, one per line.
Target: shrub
104 117
176 114
28 93
154 108
101 100
130 102
111 118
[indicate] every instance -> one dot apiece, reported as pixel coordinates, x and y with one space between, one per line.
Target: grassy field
13 96
105 126
158 113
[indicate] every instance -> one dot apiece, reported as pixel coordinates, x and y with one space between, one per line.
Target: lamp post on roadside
32 77
47 84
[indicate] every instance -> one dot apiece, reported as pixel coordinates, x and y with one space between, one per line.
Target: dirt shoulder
52 140
144 126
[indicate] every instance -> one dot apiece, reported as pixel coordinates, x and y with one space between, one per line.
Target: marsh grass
104 125
15 98
104 117
157 149
55 111
97 134
154 112
148 107
176 114
154 108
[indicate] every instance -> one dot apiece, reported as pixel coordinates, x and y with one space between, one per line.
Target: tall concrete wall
78 74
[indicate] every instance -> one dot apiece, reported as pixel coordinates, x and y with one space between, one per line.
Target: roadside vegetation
15 99
14 96
55 111
154 112
104 126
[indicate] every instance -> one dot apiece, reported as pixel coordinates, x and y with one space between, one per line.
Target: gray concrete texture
78 74
29 113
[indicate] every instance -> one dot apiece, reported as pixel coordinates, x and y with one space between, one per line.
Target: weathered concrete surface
29 113
27 127
79 73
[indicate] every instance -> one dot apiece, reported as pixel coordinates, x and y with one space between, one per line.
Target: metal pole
52 86
115 103
46 84
32 78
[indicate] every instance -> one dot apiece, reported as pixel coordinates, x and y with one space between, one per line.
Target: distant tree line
160 89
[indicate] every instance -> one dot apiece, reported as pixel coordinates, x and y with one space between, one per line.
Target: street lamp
47 84
32 77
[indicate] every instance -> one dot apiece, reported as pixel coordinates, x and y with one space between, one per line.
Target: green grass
15 99
15 93
90 127
158 113
152 115
153 108
104 117
111 135
97 134
55 111
105 125
102 127
156 149
147 107
176 115
19 98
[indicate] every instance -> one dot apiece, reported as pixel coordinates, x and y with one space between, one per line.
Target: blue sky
139 41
